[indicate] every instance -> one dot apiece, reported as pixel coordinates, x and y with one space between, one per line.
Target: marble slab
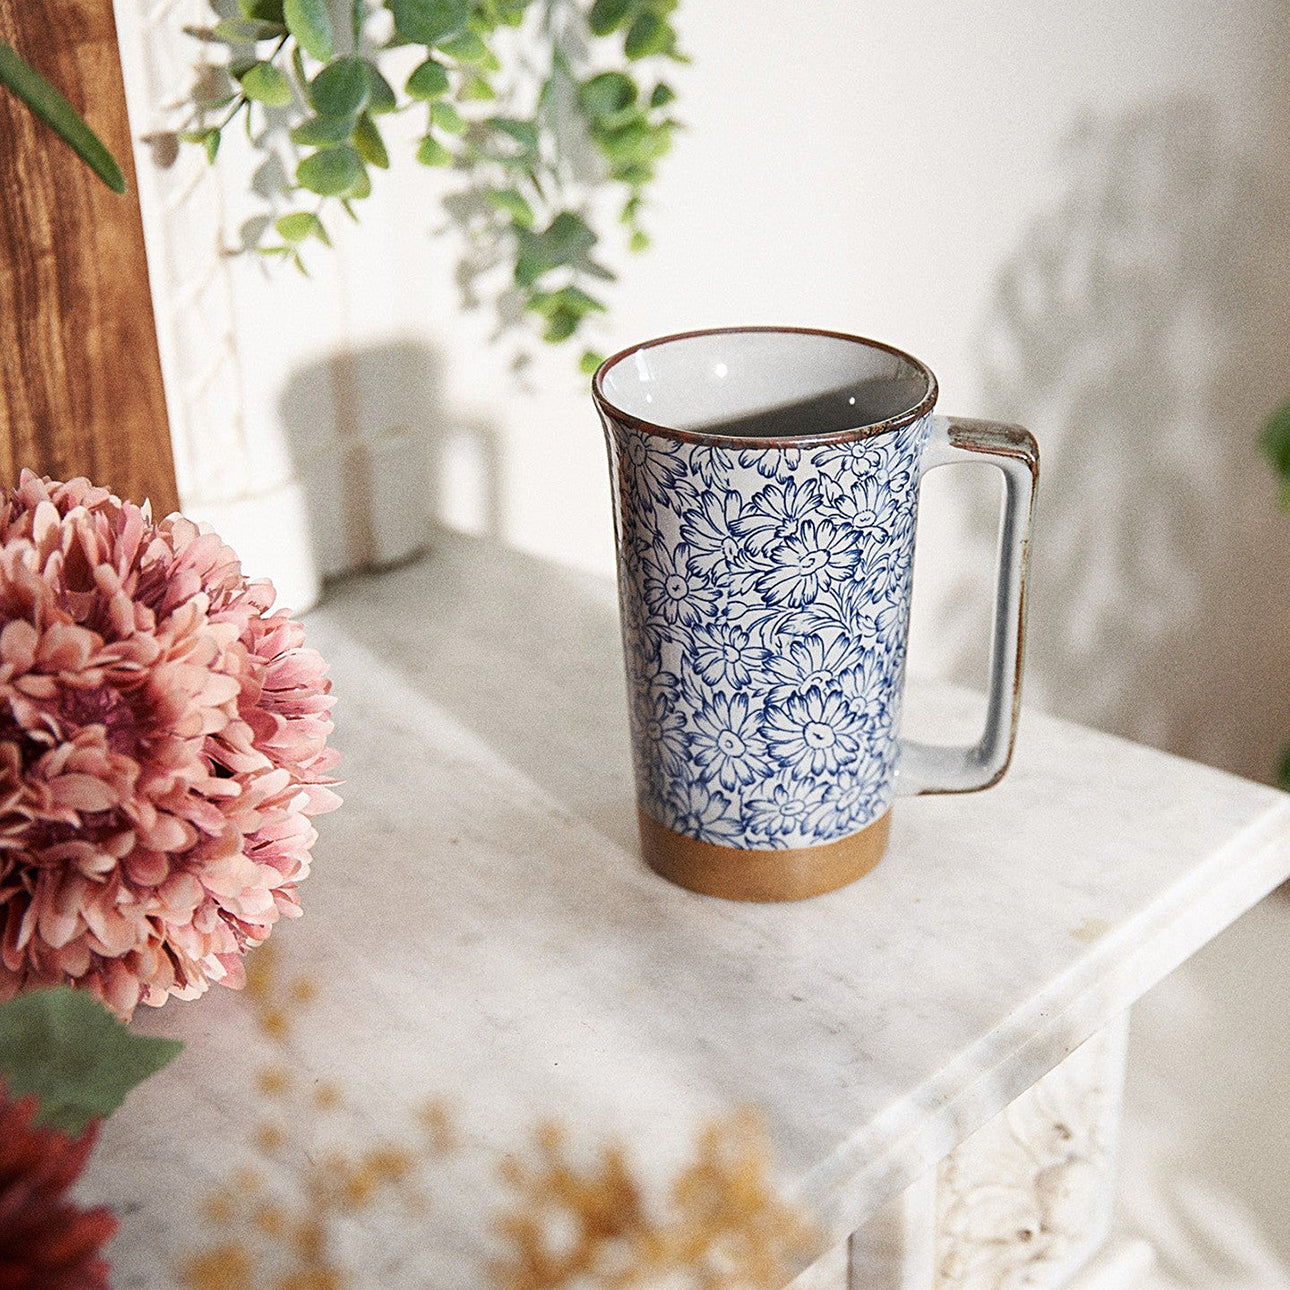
482 929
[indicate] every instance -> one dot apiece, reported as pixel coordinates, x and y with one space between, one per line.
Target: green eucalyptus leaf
266 84
362 186
511 202
301 225
429 81
446 117
341 89
639 241
244 31
74 1055
430 152
525 133
568 237
648 35
608 15
635 143
371 147
566 300
477 90
590 362
263 11
607 94
330 172
560 326
633 175
381 97
662 96
211 144
427 22
469 48
18 76
309 21
322 131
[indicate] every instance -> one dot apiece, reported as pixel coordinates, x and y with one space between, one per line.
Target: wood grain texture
80 374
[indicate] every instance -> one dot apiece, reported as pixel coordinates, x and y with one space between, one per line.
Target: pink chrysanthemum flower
162 747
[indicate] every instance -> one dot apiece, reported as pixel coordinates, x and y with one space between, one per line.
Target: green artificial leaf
609 15
607 94
74 1055
321 131
560 326
427 22
429 81
18 76
469 48
648 35
590 362
510 202
525 133
635 143
1275 442
566 300
266 84
566 240
477 90
301 225
332 172
430 152
370 145
662 96
263 11
242 31
362 186
446 117
533 261
381 97
309 21
341 88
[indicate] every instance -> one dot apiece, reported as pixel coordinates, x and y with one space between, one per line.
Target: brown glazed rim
921 409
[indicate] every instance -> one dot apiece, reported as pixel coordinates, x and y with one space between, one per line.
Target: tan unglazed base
761 875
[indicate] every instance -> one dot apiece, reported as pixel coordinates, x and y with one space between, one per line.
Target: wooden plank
80 374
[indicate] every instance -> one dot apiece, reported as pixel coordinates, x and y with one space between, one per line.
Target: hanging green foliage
518 130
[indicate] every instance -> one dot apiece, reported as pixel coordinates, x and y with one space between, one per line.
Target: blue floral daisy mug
765 486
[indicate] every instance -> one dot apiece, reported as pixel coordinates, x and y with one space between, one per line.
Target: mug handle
933 768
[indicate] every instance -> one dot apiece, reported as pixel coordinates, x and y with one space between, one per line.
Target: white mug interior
766 383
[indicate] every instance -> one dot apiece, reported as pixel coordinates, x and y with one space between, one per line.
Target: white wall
1077 214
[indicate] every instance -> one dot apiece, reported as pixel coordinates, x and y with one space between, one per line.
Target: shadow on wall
380 453
1142 331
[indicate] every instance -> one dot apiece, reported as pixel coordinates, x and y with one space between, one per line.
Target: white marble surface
483 929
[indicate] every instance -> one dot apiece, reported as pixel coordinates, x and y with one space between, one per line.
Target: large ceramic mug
765 487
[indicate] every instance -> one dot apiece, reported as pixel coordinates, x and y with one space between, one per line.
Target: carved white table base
1023 1203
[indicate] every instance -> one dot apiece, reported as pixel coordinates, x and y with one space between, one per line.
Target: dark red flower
47 1242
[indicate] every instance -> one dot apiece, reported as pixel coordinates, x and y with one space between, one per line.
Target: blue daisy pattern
765 613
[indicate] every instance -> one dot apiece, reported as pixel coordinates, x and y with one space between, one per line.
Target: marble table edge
852 1184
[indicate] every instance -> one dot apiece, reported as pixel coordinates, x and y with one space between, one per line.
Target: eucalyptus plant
538 129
